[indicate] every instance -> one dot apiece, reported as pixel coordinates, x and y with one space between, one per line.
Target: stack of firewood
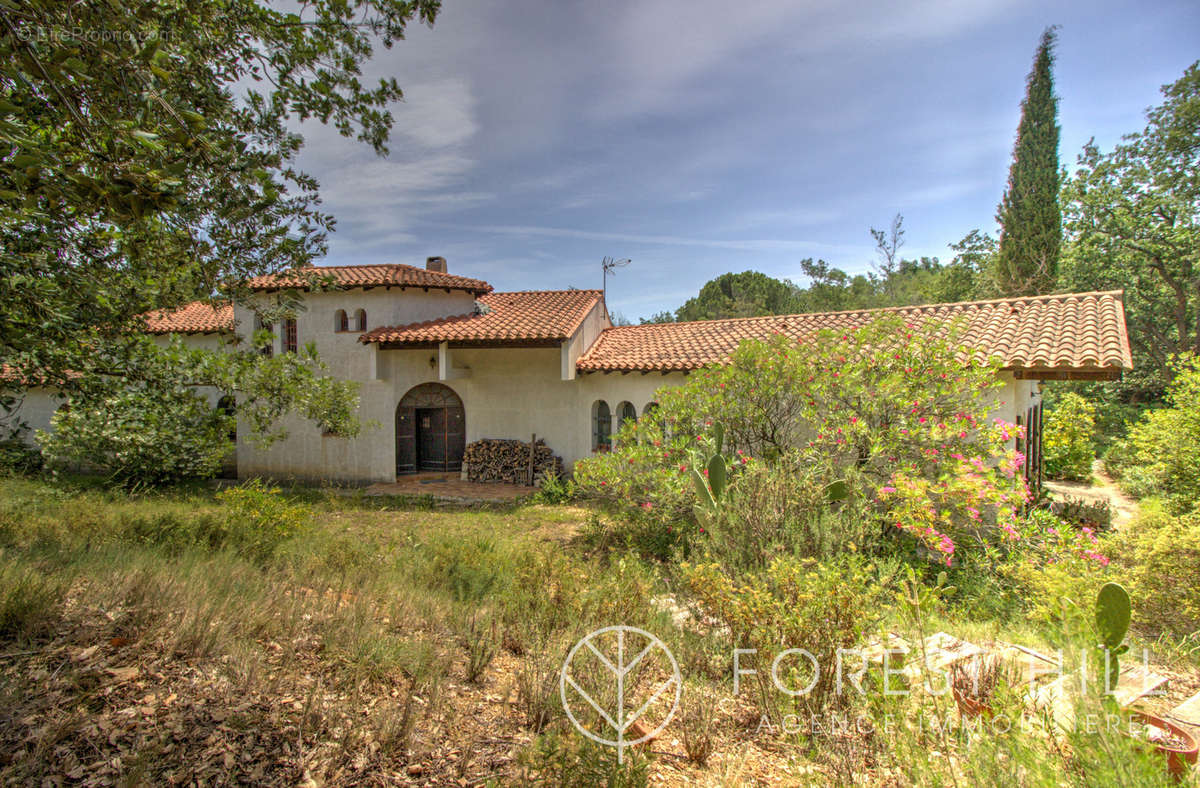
499 460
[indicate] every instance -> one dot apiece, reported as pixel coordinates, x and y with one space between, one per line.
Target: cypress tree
1029 214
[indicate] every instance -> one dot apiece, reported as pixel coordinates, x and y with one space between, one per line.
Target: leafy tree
1161 453
748 294
1133 219
969 274
1029 214
154 163
1068 445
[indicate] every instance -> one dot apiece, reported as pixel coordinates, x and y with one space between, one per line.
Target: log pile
501 460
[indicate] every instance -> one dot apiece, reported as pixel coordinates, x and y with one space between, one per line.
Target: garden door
430 430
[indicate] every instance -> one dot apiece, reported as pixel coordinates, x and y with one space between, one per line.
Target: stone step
1187 712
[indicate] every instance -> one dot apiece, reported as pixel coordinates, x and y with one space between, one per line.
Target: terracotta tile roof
528 316
1079 331
197 317
389 275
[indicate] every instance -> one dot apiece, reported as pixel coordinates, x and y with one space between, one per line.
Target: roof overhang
467 344
1065 373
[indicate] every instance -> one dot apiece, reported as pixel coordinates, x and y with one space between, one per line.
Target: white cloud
438 114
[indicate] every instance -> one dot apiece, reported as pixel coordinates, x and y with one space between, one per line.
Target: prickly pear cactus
710 477
1113 611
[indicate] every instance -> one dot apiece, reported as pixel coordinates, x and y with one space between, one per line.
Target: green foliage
152 426
568 760
1068 449
1029 214
1056 568
1160 455
1093 513
469 570
748 294
16 456
905 282
554 490
784 509
819 606
147 434
1132 221
156 163
1159 557
885 420
259 519
1113 612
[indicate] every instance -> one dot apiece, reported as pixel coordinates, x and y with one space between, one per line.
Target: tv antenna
609 265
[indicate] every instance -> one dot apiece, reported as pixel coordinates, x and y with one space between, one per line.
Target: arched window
625 412
601 426
360 320
340 323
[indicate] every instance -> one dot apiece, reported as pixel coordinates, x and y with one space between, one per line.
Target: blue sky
537 137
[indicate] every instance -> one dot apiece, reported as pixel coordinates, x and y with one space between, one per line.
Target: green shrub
554 490
1068 447
152 434
1058 568
568 760
1090 512
258 519
1161 453
18 457
1159 557
469 569
783 508
793 604
893 408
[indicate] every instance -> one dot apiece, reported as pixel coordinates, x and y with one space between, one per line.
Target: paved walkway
449 487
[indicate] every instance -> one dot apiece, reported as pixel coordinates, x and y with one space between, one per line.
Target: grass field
318 638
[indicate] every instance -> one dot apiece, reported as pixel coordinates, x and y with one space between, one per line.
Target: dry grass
383 644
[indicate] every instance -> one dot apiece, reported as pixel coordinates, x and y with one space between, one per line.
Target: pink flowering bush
899 412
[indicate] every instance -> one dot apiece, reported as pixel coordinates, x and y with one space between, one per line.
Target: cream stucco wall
35 407
341 351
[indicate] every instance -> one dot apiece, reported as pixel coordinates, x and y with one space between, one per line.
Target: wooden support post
532 450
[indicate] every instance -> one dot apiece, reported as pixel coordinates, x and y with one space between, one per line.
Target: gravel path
1103 488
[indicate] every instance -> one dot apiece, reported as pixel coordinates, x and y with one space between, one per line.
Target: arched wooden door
431 430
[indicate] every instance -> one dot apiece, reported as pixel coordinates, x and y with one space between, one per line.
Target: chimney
435 264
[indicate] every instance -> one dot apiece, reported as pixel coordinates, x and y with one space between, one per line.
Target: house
443 360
